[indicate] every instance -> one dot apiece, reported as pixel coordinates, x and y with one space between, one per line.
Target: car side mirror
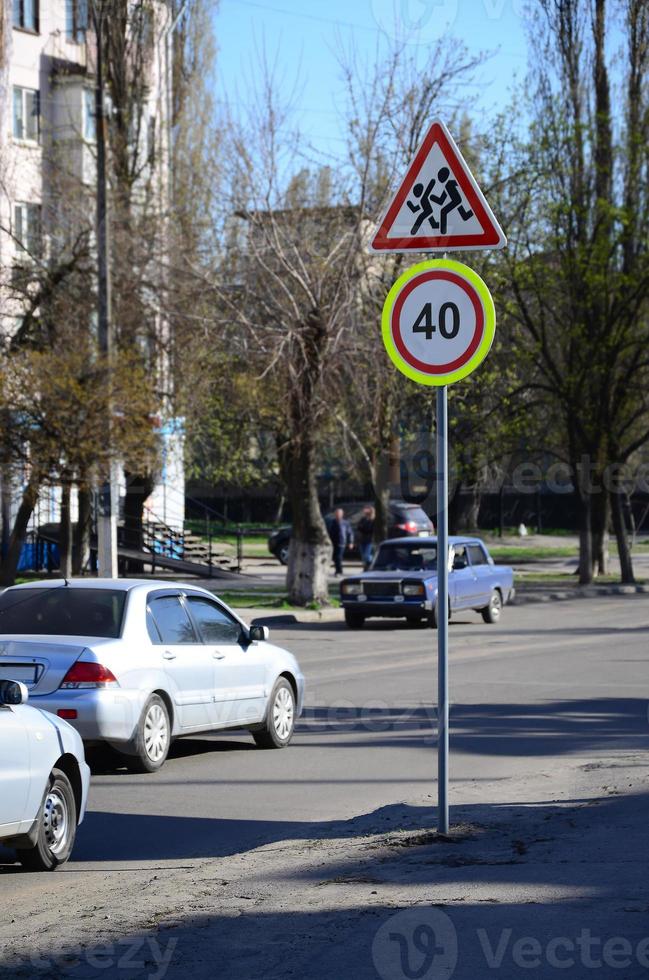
258 634
13 692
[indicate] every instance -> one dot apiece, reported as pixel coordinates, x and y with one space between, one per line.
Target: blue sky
304 36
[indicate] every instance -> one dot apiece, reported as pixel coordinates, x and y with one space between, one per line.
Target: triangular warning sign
439 206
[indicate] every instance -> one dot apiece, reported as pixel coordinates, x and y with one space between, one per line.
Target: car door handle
219 656
168 655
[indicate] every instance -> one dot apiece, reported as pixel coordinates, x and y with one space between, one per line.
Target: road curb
578 592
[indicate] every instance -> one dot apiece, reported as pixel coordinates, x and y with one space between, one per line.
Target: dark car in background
406 520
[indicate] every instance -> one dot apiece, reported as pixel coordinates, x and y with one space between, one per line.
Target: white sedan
43 781
137 663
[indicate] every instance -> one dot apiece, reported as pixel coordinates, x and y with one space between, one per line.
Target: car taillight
68 714
87 674
408 526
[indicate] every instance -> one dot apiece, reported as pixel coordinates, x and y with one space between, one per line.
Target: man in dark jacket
341 534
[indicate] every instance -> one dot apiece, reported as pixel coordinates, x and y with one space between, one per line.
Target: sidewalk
525 884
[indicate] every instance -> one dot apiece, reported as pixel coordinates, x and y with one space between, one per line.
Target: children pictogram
449 200
439 206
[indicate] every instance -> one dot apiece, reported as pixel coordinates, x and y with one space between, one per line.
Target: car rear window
63 611
403 557
414 513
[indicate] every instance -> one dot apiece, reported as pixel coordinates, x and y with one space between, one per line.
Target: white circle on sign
437 322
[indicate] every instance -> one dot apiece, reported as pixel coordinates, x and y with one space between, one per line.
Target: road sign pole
442 610
438 324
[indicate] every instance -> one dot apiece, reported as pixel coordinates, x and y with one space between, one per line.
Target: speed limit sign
438 322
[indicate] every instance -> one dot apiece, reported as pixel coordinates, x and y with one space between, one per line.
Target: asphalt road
550 681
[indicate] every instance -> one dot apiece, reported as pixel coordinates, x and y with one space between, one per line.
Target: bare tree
292 297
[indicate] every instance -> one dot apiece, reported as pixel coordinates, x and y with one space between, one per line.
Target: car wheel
432 616
153 738
282 554
493 612
278 728
354 620
57 827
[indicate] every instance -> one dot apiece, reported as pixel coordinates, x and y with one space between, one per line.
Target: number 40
424 322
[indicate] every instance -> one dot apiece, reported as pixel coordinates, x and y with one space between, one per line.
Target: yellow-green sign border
489 325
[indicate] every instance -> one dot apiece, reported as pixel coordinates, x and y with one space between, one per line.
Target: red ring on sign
395 321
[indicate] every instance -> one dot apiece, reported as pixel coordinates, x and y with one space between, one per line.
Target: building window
27 228
26 114
25 14
76 20
89 127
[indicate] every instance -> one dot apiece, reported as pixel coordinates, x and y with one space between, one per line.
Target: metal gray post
109 492
442 610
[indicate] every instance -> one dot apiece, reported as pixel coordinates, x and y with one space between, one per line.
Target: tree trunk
138 487
6 490
623 550
583 485
585 541
65 533
463 510
382 511
386 481
601 516
310 549
81 542
18 533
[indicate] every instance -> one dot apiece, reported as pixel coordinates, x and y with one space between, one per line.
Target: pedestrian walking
365 534
341 534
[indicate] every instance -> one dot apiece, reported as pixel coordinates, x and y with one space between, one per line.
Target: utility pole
108 494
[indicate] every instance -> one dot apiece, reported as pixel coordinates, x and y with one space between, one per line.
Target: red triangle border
490 237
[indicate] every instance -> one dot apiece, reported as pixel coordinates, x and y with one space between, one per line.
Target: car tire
354 620
432 616
278 728
57 827
152 741
282 554
493 612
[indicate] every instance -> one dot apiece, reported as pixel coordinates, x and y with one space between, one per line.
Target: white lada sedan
43 782
138 663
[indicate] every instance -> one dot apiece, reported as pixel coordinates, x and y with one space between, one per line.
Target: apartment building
47 158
